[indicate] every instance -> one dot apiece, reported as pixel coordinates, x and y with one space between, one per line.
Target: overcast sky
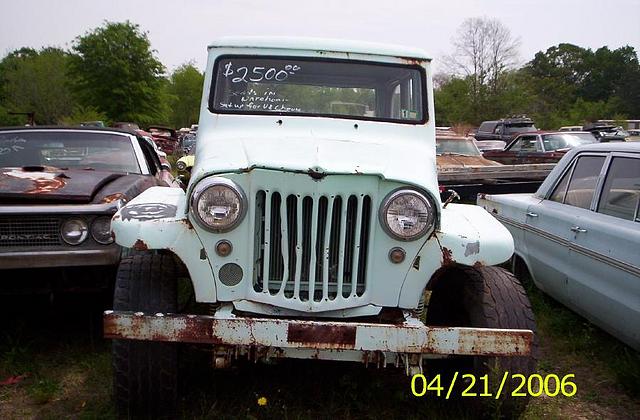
181 30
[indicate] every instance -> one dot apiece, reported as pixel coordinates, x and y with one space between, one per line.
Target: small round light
101 230
74 231
181 165
224 248
396 255
407 215
218 204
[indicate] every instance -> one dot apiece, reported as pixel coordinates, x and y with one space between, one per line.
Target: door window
621 192
526 144
578 192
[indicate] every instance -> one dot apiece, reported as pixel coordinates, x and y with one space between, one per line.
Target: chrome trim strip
573 246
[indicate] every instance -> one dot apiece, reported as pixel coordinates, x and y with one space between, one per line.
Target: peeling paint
472 248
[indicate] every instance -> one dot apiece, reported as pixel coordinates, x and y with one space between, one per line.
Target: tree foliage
38 82
117 73
185 90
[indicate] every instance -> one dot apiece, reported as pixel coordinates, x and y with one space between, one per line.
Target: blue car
578 236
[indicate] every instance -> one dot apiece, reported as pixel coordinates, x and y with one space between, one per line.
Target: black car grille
25 231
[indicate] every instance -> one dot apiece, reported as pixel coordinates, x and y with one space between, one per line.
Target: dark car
540 147
504 129
59 188
606 133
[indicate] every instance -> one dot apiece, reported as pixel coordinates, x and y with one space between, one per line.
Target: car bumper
108 255
329 340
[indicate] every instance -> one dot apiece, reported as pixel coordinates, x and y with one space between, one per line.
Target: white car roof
322 44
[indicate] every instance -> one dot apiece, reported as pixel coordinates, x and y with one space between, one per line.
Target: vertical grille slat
267 246
312 248
356 247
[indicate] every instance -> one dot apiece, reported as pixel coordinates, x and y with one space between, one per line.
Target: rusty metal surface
458 161
410 336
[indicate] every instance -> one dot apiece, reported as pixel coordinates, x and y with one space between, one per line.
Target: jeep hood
405 160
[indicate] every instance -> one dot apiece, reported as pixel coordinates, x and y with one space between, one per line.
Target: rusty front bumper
295 338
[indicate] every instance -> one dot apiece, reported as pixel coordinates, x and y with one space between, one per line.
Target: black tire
489 297
145 372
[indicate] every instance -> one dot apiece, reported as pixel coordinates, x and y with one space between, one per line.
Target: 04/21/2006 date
533 385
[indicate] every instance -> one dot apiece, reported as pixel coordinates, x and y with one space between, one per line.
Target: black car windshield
343 89
456 146
69 150
566 140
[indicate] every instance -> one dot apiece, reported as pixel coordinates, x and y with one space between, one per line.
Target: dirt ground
61 368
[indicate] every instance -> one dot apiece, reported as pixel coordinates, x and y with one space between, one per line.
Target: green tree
117 73
37 81
185 90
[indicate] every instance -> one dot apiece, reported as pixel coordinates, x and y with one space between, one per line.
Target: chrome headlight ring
218 204
407 214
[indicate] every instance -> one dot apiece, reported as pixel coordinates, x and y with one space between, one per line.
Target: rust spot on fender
113 197
140 245
447 258
187 223
343 336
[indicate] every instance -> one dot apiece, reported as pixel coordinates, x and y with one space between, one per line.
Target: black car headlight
218 204
101 230
407 215
74 231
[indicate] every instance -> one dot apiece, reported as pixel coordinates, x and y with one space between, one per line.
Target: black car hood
39 184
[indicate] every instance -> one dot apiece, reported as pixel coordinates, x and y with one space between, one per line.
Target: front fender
157 219
468 235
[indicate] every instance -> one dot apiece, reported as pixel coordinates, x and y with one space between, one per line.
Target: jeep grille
311 247
21 231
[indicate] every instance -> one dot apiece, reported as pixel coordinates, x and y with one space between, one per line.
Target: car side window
497 129
580 189
621 192
525 144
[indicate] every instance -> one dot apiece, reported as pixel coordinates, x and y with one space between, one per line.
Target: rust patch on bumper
342 336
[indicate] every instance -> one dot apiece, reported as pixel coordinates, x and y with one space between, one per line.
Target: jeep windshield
320 87
68 150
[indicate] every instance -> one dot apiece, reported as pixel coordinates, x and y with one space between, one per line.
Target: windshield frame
423 89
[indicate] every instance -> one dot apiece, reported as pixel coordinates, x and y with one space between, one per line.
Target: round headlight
181 165
218 204
407 215
74 231
101 230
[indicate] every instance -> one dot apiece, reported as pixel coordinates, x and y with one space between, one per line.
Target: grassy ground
67 374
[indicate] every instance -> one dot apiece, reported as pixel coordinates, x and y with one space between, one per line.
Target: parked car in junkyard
606 133
634 135
185 163
578 236
540 147
59 188
165 137
504 129
463 169
187 144
313 233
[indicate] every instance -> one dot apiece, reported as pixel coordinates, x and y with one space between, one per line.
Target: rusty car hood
462 161
55 185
